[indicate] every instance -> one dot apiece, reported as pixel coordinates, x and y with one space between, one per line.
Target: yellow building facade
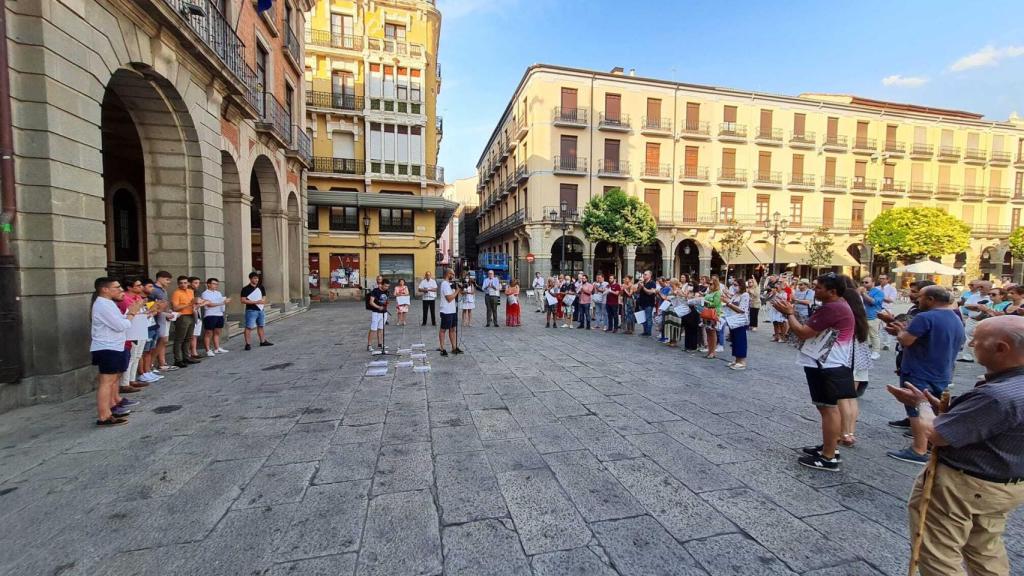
372 81
703 156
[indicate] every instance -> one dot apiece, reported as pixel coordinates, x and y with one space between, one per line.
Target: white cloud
987 56
908 81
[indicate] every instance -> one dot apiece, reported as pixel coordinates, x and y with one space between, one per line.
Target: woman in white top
468 301
737 317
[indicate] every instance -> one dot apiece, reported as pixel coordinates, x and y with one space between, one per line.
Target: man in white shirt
213 320
600 313
492 296
109 333
449 314
538 291
428 290
891 295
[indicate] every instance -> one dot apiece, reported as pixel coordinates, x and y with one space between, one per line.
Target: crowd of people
134 320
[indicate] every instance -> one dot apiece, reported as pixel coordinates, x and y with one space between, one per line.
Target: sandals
848 440
710 356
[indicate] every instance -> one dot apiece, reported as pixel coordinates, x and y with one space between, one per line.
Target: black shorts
213 322
449 321
111 361
830 385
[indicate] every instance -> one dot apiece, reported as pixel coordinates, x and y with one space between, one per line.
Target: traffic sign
530 257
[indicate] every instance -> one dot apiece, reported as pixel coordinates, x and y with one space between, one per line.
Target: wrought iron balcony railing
803 139
571 214
864 144
349 166
895 147
975 155
302 145
999 157
275 118
802 180
655 124
921 150
834 142
947 190
893 187
396 47
328 39
612 168
769 135
696 128
949 153
861 184
570 116
655 170
570 164
693 173
619 123
732 130
732 176
973 191
833 183
334 100
293 46
767 178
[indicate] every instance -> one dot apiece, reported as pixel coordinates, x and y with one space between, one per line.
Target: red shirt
613 299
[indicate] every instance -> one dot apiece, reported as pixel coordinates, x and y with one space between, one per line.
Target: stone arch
687 256
573 254
150 140
269 225
651 257
608 259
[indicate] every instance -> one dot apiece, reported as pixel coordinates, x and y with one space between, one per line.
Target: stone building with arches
149 135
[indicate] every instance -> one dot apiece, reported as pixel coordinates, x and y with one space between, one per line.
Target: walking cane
926 494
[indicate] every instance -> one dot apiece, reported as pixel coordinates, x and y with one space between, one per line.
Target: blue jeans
936 388
648 320
254 318
600 315
584 316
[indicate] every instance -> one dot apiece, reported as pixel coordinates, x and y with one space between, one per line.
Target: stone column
296 264
237 246
630 254
275 274
666 267
705 265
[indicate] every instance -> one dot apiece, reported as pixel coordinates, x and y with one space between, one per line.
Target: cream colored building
149 135
372 80
464 193
701 156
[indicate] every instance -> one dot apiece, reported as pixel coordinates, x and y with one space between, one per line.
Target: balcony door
567 148
342 31
690 206
611 156
343 89
613 108
261 76
569 103
652 158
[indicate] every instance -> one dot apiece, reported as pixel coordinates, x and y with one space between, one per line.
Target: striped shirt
985 427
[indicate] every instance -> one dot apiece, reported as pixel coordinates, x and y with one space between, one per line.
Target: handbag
709 315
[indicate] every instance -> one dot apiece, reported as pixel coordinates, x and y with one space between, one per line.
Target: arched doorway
718 264
151 166
269 230
988 263
296 272
607 259
688 257
1007 272
649 258
237 231
573 256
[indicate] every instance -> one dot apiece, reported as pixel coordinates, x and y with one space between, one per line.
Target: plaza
537 452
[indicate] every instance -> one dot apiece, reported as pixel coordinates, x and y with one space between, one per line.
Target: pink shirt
586 291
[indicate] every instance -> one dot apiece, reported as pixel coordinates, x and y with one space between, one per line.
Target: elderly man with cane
959 504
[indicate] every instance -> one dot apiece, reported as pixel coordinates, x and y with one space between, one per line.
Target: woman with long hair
737 316
713 300
628 304
551 311
512 303
468 301
403 309
849 409
755 303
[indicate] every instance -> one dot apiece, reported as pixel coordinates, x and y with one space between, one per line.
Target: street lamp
776 227
561 216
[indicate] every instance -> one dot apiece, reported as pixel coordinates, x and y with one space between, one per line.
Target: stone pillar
296 263
630 254
705 265
237 246
275 272
666 267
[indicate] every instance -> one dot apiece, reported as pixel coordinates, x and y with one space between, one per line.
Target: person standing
611 304
428 291
148 372
109 331
538 287
183 302
825 356
199 311
891 295
972 315
599 298
164 319
803 300
213 320
737 317
647 293
254 297
930 344
586 295
755 303
403 309
492 297
136 335
874 299
449 314
849 408
468 303
713 301
979 480
512 303
551 309
377 303
628 305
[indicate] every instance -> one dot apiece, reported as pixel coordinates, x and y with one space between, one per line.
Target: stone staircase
274 312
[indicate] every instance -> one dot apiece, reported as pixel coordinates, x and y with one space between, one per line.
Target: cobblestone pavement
540 451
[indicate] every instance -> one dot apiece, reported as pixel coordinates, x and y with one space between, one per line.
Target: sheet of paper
424 368
665 304
402 300
551 300
681 310
530 293
375 372
641 316
378 363
404 364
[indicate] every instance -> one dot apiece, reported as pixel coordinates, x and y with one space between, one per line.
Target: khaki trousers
965 524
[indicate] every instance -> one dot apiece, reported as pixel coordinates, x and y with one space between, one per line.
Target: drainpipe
10 306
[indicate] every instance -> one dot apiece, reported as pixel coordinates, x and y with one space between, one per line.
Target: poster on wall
314 274
344 271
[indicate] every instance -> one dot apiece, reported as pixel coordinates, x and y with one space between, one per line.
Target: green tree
731 243
910 234
1017 244
819 248
620 219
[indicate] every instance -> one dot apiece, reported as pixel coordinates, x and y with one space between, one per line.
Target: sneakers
128 403
908 434
719 348
112 421
905 423
816 451
817 462
703 349
221 351
178 365
170 368
120 411
210 353
737 366
266 343
908 455
150 377
875 355
444 352
248 347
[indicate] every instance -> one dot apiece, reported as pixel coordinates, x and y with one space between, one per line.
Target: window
397 266
728 211
890 136
917 173
857 215
261 74
607 189
888 174
689 206
396 220
729 162
832 130
729 115
342 35
289 102
798 167
830 171
652 158
862 135
690 160
287 16
764 166
567 195
312 217
654 113
1015 218
651 198
394 32
828 212
344 219
766 123
693 116
995 179
613 108
888 206
763 208
568 103
611 156
860 170
796 210
799 125
1018 184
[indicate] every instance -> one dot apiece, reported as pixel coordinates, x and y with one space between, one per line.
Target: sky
962 55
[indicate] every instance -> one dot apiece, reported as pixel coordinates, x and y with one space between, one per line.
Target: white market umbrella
928 267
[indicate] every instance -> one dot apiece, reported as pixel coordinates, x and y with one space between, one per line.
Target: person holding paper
512 309
255 299
826 356
377 304
468 301
449 313
492 297
647 291
737 317
402 301
538 291
551 304
428 291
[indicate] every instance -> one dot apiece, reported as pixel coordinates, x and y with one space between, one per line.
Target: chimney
617 71
632 71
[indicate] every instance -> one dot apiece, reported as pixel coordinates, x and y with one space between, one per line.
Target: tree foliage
819 248
731 242
620 219
913 233
1017 243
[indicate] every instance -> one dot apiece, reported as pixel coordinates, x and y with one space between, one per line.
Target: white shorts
198 329
165 326
377 320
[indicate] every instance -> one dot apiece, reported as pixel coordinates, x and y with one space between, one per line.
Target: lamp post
776 227
366 241
564 206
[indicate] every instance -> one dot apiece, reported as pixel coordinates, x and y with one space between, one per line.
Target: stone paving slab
537 452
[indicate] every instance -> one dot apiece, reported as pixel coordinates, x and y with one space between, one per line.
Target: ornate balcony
334 101
1019 161
569 117
863 186
522 173
892 187
656 126
656 172
395 47
972 191
302 147
833 184
999 158
767 179
696 130
864 145
769 136
619 123
732 132
569 165
894 148
343 166
802 181
405 172
835 143
571 214
328 39
275 120
693 174
732 177
949 153
974 156
920 151
803 139
521 129
921 189
998 193
947 191
610 168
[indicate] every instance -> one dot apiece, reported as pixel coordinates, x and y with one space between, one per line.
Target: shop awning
750 254
443 209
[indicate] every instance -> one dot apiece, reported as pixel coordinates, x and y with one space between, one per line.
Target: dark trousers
183 327
492 308
753 314
613 316
429 305
739 341
584 316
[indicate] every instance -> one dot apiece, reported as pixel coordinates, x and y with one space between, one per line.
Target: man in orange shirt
181 303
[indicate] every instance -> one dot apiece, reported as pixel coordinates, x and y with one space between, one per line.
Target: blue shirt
940 335
878 296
